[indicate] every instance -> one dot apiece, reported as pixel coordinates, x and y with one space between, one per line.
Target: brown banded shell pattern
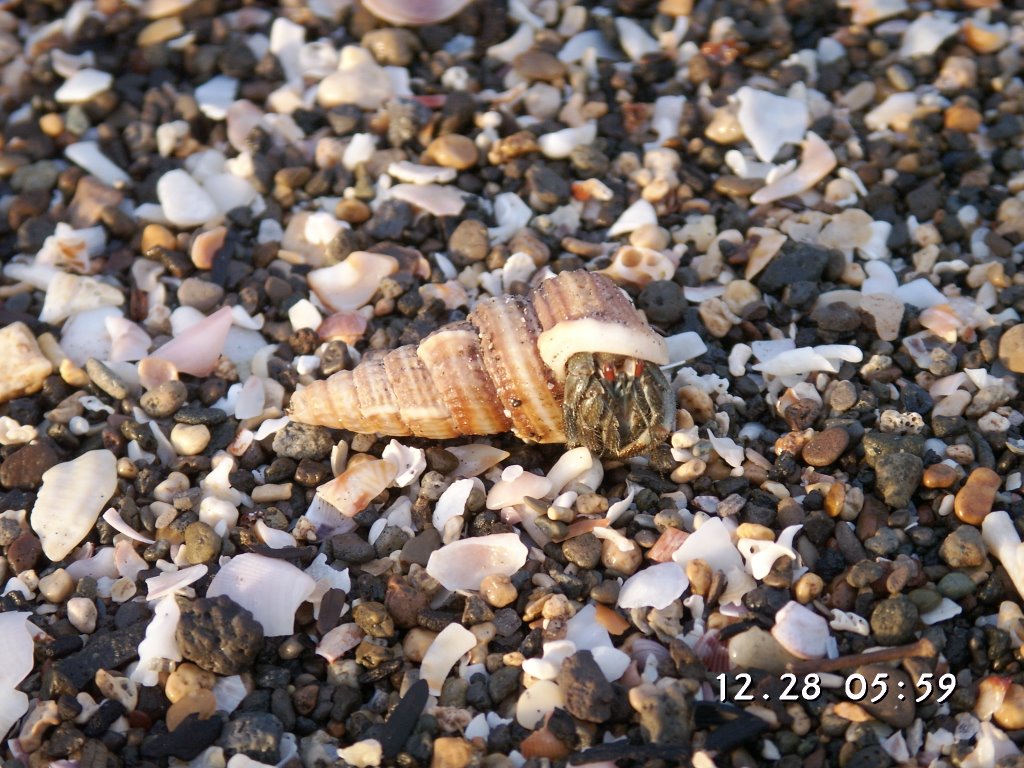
482 376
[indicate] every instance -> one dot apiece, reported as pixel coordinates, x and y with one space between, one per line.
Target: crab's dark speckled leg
616 406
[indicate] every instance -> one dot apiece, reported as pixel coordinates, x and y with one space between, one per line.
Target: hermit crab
573 363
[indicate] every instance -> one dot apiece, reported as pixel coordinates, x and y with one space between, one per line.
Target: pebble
190 440
453 150
83 86
56 587
896 708
1011 348
538 65
588 695
757 647
23 553
201 703
202 544
939 476
964 548
469 243
665 712
897 476
257 735
25 366
453 752
185 203
164 400
583 550
218 635
187 679
82 614
894 620
498 590
23 469
826 447
199 293
302 441
974 500
956 585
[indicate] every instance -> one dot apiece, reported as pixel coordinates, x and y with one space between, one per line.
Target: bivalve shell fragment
71 498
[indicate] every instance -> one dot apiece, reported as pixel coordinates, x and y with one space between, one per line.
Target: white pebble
82 614
801 631
216 95
184 202
560 144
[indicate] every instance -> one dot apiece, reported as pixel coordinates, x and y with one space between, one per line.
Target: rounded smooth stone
897 476
583 550
956 585
974 501
757 648
164 400
453 151
939 476
498 590
893 620
202 544
826 447
82 614
964 548
56 586
1011 348
896 707
190 439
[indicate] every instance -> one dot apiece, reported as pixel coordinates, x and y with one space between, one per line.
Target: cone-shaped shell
499 370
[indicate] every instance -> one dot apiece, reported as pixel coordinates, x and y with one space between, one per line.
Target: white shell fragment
350 283
515 485
339 641
432 198
89 156
16 647
801 631
769 121
448 647
160 643
185 203
84 85
464 564
410 462
816 162
350 492
196 349
452 502
172 581
270 589
537 701
69 294
70 501
656 586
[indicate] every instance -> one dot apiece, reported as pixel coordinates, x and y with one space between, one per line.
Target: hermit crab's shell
414 13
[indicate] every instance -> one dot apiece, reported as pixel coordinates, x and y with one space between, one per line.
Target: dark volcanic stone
792 265
588 694
104 651
219 635
254 734
893 620
302 441
663 303
185 742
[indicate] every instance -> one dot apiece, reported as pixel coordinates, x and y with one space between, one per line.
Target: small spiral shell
501 369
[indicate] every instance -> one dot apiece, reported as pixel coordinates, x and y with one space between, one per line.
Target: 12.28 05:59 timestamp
857 687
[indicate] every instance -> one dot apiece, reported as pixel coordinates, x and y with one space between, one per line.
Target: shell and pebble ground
208 204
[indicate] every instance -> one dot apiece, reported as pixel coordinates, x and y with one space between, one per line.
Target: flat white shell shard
816 162
896 112
350 283
639 214
511 213
448 647
946 609
351 492
326 578
367 753
537 701
103 564
410 462
712 544
634 39
16 647
769 121
570 465
656 586
271 590
128 562
464 564
432 198
684 346
70 501
452 502
801 631
69 294
991 746
516 484
83 85
229 692
476 458
339 641
560 144
196 349
728 449
548 666
273 537
415 173
612 661
171 581
114 519
160 643
128 342
414 14
927 33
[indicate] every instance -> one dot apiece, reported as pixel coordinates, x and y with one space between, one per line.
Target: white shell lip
414 12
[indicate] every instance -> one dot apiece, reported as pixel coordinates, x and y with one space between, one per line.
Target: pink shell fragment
432 198
169 582
816 163
656 586
339 641
464 564
350 492
196 349
271 590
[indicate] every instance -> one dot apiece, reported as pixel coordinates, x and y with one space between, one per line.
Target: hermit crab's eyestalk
616 406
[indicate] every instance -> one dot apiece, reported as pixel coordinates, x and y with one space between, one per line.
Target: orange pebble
974 501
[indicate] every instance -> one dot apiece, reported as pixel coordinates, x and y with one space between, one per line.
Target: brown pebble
1011 349
453 151
538 65
826 447
939 476
974 501
352 211
205 246
542 743
961 117
52 124
1010 715
157 235
453 752
498 590
23 552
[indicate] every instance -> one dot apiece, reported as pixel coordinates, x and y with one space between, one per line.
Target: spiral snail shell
573 363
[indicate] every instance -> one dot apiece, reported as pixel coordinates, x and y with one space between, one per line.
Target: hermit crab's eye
608 372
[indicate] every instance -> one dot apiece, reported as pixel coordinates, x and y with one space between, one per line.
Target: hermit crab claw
617 406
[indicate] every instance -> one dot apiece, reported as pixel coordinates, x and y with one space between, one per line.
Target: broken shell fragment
271 590
448 647
414 13
464 564
70 501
